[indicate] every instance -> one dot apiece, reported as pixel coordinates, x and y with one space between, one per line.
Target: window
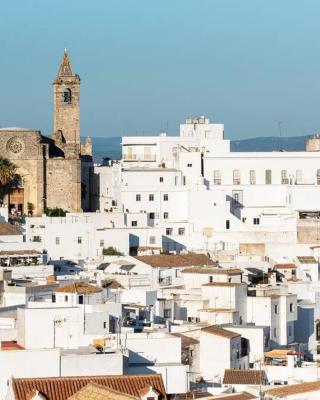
67 96
151 215
256 221
211 279
237 198
114 203
169 231
165 197
276 308
181 231
252 177
161 179
217 177
291 307
165 215
318 177
268 176
66 298
284 177
167 313
81 299
57 240
227 224
104 325
79 239
274 332
134 223
189 165
53 297
298 176
138 197
101 243
36 239
290 330
152 239
151 197
236 177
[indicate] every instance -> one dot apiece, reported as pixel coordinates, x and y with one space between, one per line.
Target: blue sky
147 63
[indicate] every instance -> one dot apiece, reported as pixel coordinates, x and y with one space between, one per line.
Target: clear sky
147 63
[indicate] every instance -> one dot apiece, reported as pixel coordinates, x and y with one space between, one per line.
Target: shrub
110 251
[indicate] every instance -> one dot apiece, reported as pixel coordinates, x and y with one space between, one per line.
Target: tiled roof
284 266
61 388
212 271
227 284
244 377
98 392
216 330
299 388
237 396
8 229
79 287
19 253
186 341
10 345
144 391
111 284
176 260
307 260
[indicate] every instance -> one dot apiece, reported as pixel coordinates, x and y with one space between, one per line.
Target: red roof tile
61 388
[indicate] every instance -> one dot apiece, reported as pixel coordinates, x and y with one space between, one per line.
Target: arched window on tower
67 96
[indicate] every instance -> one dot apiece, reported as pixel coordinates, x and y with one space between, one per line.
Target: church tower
66 90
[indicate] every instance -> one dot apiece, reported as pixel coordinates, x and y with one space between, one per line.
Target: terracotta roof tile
236 396
93 391
79 287
299 388
176 260
212 271
284 266
217 330
307 260
244 377
186 341
7 229
61 388
226 284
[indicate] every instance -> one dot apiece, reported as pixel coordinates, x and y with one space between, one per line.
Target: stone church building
54 170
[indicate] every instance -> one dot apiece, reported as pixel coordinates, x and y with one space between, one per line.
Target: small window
167 313
210 278
291 307
268 176
237 198
104 325
151 215
134 223
151 197
114 203
217 177
161 179
181 231
227 224
284 177
318 177
236 177
152 240
189 165
290 330
138 197
165 215
169 231
66 298
276 308
53 298
81 299
79 239
274 332
256 221
101 243
165 197
57 240
252 177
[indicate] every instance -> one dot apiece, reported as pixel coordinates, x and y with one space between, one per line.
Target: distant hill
111 146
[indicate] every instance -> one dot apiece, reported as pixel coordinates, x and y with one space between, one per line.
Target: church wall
64 184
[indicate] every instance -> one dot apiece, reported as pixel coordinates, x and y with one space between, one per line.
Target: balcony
165 281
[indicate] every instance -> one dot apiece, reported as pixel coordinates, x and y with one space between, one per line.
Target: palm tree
8 176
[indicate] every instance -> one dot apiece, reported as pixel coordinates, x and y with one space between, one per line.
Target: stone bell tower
66 91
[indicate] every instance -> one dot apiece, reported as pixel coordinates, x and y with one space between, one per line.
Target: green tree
8 176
